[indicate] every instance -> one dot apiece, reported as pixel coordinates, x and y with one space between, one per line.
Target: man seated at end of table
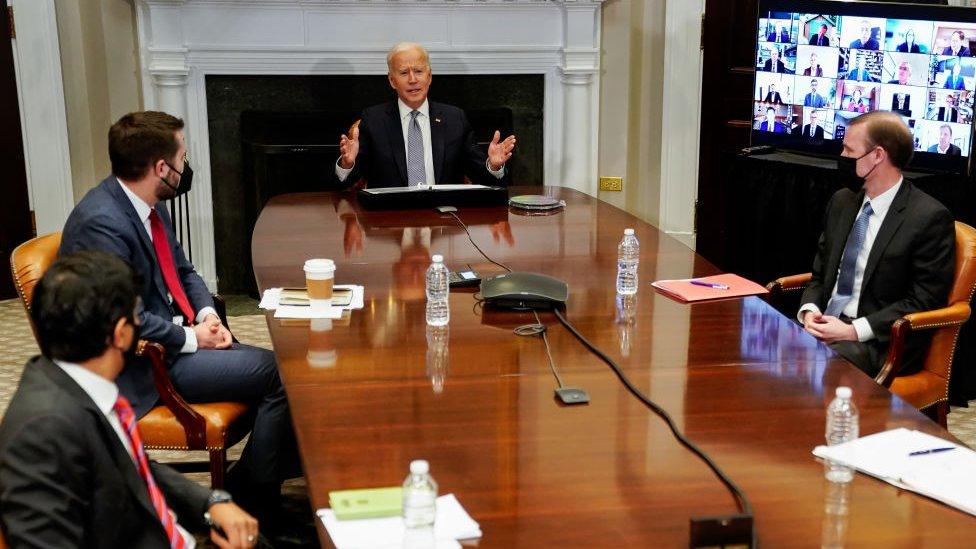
887 250
412 141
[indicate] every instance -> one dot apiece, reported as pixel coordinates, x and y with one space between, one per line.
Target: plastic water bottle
842 426
419 496
438 309
628 255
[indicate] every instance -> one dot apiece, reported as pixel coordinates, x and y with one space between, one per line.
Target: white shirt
104 394
880 205
143 210
423 120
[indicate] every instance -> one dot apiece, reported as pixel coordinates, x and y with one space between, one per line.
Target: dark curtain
774 218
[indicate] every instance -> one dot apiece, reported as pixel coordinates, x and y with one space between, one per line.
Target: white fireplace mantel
182 41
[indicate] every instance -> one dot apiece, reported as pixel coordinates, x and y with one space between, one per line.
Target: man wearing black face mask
73 472
887 250
125 216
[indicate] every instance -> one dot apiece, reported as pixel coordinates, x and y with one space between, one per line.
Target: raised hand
499 152
349 149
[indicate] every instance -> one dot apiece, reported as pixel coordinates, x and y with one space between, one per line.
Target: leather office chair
175 425
927 389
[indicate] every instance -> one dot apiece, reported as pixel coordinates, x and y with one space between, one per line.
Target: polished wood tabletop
378 388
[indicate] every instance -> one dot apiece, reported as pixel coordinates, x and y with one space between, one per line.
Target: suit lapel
843 229
437 140
893 220
394 130
107 434
114 188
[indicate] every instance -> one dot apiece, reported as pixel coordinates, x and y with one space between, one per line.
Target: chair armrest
789 283
221 307
953 315
193 423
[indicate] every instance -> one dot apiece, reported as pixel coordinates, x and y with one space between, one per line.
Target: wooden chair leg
942 414
218 465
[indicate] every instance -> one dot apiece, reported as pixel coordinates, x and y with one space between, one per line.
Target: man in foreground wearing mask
73 471
125 216
887 250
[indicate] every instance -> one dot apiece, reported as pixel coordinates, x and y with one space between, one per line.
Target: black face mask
847 166
185 183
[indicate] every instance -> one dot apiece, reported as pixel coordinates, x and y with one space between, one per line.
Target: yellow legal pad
366 503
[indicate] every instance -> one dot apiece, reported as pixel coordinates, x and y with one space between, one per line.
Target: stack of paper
293 302
452 523
946 476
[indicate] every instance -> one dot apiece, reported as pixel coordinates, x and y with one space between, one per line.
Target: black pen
932 451
709 284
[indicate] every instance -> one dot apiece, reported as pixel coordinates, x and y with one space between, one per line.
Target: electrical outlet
611 183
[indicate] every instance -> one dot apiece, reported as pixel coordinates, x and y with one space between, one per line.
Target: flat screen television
821 63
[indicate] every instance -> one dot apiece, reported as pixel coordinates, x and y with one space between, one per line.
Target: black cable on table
475 244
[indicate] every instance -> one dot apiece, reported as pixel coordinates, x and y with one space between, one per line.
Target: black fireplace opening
272 135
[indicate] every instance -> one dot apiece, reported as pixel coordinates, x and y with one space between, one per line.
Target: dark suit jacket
817 40
954 83
909 269
904 47
382 158
951 116
963 52
871 44
951 151
778 127
807 71
818 133
773 97
780 66
67 481
105 220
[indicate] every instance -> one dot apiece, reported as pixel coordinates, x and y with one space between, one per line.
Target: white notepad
949 477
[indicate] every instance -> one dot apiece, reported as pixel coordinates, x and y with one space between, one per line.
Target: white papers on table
949 477
271 299
452 523
304 311
422 188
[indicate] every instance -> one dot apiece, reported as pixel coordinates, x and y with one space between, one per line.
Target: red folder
686 292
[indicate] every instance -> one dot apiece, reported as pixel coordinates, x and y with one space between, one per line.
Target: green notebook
367 503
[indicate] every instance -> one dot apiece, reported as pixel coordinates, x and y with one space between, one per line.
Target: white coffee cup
319 276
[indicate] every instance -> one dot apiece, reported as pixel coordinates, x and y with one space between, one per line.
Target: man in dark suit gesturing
413 141
73 472
887 250
125 216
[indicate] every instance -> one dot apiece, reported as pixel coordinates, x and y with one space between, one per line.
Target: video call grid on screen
819 64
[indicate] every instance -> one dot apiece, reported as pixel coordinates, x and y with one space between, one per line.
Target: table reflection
321 346
626 318
837 497
437 356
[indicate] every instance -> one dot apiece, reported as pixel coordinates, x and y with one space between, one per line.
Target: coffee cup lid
319 265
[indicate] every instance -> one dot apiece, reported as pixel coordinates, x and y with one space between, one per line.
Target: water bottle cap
843 392
629 232
437 258
419 467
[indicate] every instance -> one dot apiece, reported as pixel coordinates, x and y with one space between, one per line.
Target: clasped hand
212 334
828 329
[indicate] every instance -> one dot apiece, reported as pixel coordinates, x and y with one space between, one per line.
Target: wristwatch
216 496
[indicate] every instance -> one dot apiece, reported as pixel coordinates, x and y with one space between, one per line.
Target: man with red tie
125 216
73 471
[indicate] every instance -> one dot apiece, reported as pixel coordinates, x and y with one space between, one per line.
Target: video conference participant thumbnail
908 36
817 29
772 119
950 106
816 61
814 92
941 138
953 73
778 27
857 97
909 101
774 88
813 121
860 65
777 59
953 39
905 69
861 32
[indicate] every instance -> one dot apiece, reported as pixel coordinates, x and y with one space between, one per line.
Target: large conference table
745 383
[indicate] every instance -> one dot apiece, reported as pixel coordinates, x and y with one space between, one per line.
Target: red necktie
164 255
128 419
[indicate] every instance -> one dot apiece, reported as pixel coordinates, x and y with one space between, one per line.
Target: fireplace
271 135
191 49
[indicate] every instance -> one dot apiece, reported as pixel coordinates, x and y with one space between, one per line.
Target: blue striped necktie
416 172
845 280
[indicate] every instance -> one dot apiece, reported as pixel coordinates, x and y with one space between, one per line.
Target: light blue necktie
845 280
416 172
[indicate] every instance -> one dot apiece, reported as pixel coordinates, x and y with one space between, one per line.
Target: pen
709 285
932 451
